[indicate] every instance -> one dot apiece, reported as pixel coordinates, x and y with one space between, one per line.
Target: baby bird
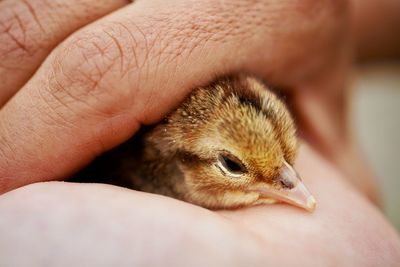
229 144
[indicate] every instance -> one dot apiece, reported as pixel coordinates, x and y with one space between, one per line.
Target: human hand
65 224
97 87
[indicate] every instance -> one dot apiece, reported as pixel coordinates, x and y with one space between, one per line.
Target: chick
228 145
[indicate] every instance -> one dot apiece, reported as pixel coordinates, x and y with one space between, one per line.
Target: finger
30 29
132 67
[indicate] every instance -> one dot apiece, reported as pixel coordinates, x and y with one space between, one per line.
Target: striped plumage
229 144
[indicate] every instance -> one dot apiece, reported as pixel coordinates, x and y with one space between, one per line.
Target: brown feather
178 157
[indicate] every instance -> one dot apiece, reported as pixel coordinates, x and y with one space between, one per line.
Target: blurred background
376 96
376 116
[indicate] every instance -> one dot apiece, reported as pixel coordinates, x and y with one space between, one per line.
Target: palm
124 226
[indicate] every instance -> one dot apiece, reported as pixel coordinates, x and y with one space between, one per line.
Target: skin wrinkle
19 45
68 122
38 111
28 40
60 86
147 47
272 224
72 12
59 121
151 37
57 105
92 109
21 25
63 93
5 30
125 29
198 28
53 111
55 121
183 46
5 144
100 60
34 15
103 54
16 31
173 49
71 99
22 163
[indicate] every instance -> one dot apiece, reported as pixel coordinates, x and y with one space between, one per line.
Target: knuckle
89 65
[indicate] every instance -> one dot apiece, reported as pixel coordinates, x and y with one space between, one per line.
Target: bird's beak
293 191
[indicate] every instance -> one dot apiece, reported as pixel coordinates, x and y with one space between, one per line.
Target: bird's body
229 144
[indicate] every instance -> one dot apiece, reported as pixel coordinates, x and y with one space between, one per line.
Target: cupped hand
65 224
95 88
85 79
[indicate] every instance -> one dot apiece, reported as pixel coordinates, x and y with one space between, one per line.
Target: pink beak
293 192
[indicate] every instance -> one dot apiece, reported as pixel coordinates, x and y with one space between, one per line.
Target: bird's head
235 143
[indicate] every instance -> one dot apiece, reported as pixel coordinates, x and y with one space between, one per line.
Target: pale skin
96 87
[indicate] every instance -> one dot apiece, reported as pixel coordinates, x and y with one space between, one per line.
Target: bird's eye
231 164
